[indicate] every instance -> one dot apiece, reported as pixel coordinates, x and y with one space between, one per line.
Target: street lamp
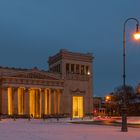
107 98
124 106
108 101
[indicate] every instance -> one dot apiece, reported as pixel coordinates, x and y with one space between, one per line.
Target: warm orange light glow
21 101
35 103
107 97
88 73
77 106
138 90
47 102
10 101
137 36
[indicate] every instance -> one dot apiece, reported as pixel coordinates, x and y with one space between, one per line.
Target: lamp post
108 105
124 106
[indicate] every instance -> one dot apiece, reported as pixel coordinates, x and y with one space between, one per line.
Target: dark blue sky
32 30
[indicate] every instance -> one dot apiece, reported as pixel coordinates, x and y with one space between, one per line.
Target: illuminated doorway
77 106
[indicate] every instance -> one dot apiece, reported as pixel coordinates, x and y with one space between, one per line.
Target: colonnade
32 101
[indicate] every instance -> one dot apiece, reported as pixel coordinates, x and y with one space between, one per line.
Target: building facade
66 88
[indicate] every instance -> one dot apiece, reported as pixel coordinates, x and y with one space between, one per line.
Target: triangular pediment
36 75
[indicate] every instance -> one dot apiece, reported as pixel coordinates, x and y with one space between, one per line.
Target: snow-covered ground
52 130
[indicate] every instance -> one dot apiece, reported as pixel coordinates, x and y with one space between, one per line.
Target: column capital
4 88
52 90
27 89
15 89
42 89
60 90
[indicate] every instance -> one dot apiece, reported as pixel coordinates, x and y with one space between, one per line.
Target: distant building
99 108
138 89
66 88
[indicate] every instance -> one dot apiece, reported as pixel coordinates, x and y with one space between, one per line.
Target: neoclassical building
66 88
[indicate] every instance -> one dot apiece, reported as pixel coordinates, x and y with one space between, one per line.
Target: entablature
31 81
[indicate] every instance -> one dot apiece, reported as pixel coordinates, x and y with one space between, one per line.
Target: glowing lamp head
107 98
137 36
88 73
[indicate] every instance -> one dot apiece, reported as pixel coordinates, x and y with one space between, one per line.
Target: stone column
19 100
4 91
32 102
10 101
38 102
46 108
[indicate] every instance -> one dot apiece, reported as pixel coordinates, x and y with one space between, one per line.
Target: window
87 70
67 68
59 68
77 68
72 68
